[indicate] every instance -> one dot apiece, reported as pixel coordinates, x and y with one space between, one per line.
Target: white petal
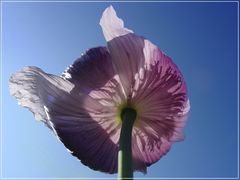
112 26
27 86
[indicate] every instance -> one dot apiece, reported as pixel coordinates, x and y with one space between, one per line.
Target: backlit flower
83 106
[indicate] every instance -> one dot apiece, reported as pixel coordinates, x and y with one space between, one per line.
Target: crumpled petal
26 86
126 48
112 26
86 126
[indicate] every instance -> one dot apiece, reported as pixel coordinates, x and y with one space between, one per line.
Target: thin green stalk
125 165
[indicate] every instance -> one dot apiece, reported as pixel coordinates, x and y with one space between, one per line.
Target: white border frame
114 1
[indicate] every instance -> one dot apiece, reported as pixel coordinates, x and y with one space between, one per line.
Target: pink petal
147 149
85 125
91 71
160 94
126 48
153 83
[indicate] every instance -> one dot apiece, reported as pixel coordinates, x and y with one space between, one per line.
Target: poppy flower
84 106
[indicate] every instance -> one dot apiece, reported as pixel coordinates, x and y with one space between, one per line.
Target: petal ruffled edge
112 26
24 86
75 119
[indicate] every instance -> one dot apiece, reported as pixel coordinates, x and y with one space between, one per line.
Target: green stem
125 165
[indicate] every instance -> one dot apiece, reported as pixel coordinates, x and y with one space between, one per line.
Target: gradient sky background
200 37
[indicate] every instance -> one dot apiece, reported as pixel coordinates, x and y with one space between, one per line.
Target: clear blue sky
200 37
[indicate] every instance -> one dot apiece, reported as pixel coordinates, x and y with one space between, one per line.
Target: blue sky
200 37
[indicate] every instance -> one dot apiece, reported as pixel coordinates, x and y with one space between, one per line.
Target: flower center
130 112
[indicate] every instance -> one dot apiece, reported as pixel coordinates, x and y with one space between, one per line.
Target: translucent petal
27 86
153 84
160 95
112 26
85 126
91 71
126 48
